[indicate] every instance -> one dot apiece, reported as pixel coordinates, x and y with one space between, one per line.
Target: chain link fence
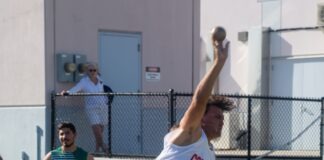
259 127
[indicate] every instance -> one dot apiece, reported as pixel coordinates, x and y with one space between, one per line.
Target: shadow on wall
280 117
40 133
24 156
279 46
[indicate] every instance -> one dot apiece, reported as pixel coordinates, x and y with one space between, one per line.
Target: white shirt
199 150
87 86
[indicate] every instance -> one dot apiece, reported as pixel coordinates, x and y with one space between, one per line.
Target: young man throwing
203 120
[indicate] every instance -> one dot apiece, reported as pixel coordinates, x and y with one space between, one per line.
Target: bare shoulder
48 156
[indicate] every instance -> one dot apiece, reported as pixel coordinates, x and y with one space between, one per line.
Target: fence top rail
190 94
258 97
272 97
114 94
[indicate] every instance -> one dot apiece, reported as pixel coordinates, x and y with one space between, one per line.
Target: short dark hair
66 125
221 102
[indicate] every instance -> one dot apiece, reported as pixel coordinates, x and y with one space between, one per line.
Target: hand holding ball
220 44
218 34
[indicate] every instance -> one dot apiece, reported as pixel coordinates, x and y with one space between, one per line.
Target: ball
218 34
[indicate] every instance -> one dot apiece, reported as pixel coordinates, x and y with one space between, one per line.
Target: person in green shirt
68 149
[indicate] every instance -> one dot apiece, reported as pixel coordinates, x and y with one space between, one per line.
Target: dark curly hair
66 125
221 102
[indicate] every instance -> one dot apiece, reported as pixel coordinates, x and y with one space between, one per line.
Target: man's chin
68 145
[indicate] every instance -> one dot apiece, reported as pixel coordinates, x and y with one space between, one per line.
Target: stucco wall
276 14
289 14
22 95
166 28
22 53
169 30
22 133
235 18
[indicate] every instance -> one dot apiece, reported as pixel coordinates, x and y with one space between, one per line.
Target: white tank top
199 150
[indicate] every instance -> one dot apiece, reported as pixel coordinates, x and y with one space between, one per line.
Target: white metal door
120 61
119 64
296 78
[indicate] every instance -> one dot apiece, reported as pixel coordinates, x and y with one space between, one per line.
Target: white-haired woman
96 106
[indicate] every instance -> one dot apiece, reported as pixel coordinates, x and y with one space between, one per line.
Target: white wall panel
22 132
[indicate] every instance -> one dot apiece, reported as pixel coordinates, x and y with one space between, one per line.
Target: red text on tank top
196 157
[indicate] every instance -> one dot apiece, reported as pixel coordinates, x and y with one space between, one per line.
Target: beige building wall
22 53
22 67
167 29
33 32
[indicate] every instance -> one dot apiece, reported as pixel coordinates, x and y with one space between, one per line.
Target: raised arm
191 121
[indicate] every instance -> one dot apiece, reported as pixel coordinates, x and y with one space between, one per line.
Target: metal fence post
321 130
171 108
53 99
249 126
109 126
